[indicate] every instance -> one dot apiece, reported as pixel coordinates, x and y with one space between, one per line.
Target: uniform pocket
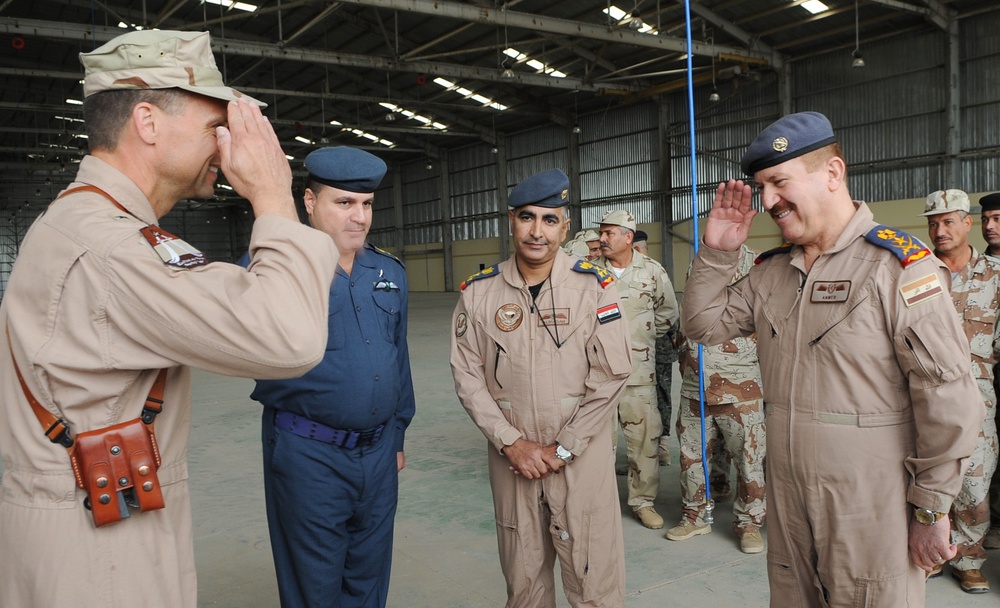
876 592
389 303
595 553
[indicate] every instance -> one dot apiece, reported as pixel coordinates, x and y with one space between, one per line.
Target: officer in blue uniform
333 439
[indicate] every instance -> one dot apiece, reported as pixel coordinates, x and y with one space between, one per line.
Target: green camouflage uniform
975 291
734 414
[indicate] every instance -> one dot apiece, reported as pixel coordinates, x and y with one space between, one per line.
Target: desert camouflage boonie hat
157 59
619 217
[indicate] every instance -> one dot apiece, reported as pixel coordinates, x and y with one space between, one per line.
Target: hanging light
507 74
858 61
390 117
576 129
430 165
635 22
714 97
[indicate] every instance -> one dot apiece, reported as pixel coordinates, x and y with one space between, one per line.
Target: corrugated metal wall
890 117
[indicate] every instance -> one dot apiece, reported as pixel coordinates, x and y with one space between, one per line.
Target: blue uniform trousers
330 513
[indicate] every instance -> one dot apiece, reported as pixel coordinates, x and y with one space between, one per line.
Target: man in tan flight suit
975 291
100 298
870 408
540 355
651 309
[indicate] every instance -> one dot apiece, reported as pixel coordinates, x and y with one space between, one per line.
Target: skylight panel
815 6
240 6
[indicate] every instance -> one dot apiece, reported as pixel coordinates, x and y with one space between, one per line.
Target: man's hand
400 461
254 163
728 224
931 545
549 455
527 458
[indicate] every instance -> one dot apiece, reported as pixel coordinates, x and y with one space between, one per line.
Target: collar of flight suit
560 268
861 222
96 172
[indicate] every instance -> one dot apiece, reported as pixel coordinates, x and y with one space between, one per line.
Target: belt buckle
368 437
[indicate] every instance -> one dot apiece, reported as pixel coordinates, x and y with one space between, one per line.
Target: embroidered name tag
606 314
921 290
172 250
553 316
830 291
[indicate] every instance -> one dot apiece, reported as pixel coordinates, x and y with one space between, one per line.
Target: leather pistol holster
117 467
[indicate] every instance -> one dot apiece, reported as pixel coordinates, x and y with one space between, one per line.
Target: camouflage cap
619 217
157 59
590 235
946 201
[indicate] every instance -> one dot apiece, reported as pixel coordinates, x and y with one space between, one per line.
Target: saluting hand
254 163
728 224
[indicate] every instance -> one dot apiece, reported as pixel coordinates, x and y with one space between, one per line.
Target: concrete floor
445 545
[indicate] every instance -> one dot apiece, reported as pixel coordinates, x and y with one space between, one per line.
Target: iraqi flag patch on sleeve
606 314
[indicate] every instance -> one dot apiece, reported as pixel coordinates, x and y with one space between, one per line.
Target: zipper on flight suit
496 363
816 340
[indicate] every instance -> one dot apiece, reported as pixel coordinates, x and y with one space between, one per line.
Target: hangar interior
465 99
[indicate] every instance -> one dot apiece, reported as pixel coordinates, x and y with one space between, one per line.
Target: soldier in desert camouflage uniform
734 415
975 290
647 296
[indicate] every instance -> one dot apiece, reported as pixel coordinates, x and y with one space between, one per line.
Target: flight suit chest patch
553 316
509 317
830 291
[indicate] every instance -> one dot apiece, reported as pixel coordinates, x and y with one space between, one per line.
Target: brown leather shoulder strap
57 429
95 190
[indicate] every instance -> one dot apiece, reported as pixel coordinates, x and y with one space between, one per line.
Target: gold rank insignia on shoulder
489 271
171 249
604 278
907 248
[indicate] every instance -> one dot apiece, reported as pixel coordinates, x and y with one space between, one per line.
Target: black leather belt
303 427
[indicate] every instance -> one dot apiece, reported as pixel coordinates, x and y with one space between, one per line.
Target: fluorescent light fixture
240 6
302 139
126 26
69 118
81 136
467 94
336 123
534 63
413 115
74 102
289 157
225 187
815 6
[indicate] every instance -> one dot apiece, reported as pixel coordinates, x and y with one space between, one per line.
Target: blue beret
346 168
787 138
990 202
546 189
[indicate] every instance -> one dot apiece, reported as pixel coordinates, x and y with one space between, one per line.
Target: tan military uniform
975 291
93 313
869 406
734 416
651 309
515 382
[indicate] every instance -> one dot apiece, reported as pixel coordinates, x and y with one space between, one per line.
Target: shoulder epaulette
604 277
487 272
783 248
904 246
386 254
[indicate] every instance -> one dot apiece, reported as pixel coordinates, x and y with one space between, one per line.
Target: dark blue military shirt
364 378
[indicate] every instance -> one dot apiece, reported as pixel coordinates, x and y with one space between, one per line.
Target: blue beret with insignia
346 168
788 137
546 189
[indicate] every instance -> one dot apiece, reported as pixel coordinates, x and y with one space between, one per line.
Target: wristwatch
926 516
564 454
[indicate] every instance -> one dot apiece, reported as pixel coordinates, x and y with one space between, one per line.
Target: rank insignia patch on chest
172 250
921 290
609 313
553 316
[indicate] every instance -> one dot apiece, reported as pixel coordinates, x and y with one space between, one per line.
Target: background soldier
540 355
651 309
734 415
975 291
991 234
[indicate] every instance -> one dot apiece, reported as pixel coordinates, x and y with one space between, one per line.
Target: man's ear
309 198
836 171
145 121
